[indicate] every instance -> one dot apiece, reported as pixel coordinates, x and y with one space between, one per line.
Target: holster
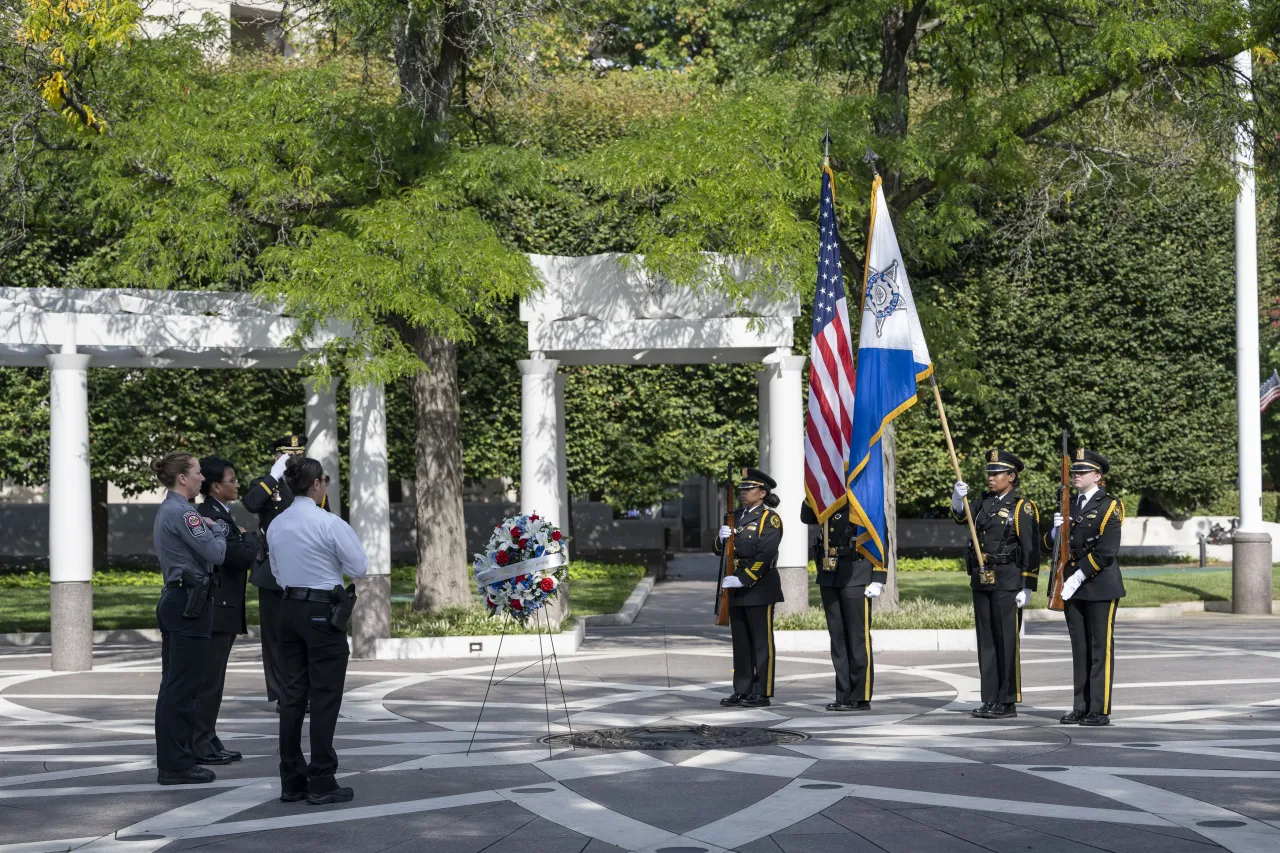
344 601
198 589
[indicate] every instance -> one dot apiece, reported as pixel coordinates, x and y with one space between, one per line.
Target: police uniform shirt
851 569
183 542
312 548
758 532
1094 545
1007 526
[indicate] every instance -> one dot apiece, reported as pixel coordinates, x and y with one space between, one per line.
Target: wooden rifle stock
1062 551
726 559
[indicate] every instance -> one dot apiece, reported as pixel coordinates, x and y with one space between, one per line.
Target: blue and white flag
892 358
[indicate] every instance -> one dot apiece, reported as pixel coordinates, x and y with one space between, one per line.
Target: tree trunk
442 543
429 62
897 41
98 520
889 598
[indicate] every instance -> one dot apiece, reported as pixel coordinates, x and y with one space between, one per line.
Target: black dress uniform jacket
1094 545
267 497
851 568
242 553
1007 527
757 535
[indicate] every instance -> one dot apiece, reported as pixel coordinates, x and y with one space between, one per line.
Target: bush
1228 503
106 577
458 622
912 613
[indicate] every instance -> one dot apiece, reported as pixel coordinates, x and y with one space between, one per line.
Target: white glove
1024 598
725 532
874 589
1057 520
277 470
731 583
1072 584
958 494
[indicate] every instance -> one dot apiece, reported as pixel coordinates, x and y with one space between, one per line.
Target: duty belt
998 559
303 594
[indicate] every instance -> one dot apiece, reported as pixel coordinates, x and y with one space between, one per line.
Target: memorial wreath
523 566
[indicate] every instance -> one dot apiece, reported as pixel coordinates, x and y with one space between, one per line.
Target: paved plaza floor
1191 763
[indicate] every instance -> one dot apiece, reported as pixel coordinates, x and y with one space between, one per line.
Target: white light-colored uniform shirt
1084 497
312 548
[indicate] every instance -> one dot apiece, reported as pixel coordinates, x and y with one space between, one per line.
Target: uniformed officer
267 497
311 550
1093 587
188 547
220 488
1008 528
753 588
848 583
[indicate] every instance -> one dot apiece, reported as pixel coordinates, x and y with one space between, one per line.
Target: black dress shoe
231 755
732 699
862 706
981 710
190 776
1001 711
215 758
1072 719
840 706
1096 720
296 796
341 795
755 700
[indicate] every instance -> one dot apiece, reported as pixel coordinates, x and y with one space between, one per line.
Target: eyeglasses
231 481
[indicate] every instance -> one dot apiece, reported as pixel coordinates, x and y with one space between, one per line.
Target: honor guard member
220 488
188 547
311 550
1008 528
266 498
754 587
1092 588
848 582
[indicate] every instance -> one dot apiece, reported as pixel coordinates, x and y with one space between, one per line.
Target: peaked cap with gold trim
756 477
1002 461
294 445
1089 460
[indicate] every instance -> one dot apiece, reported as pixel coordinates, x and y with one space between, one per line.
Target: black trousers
313 662
848 613
752 629
1093 654
204 737
998 621
184 655
269 621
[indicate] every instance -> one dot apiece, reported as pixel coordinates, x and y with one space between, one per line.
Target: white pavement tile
836 722
605 764
875 753
475 759
797 801
104 790
56 845
754 763
76 773
429 748
559 805
732 718
605 721
939 742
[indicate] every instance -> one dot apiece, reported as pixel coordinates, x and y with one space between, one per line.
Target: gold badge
744 473
773 519
1080 455
1092 515
995 456
293 441
1004 513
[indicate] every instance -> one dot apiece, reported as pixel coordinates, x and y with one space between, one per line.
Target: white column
369 512
562 462
1251 546
322 435
540 439
764 376
786 466
70 534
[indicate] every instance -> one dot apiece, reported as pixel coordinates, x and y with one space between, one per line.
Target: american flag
1270 391
831 376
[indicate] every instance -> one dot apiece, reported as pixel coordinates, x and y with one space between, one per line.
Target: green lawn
127 599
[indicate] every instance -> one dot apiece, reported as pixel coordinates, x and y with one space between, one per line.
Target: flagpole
955 464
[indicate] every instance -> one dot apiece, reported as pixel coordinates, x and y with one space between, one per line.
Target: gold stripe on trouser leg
1111 624
866 638
769 679
1017 657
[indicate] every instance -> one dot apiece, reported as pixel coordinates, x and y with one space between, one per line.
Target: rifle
726 558
1062 551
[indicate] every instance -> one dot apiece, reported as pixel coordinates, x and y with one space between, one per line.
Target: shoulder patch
774 520
194 525
1026 508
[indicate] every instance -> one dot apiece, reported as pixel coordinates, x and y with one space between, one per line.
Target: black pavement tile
992 832
826 843
1120 838
815 825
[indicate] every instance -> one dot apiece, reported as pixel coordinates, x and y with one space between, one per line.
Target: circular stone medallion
675 737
